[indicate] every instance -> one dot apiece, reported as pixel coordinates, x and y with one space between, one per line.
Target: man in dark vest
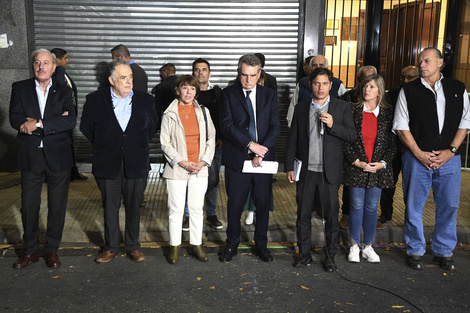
303 92
431 120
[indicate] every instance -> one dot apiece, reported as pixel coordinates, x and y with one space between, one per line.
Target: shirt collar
437 85
48 85
131 62
114 97
375 111
324 104
253 91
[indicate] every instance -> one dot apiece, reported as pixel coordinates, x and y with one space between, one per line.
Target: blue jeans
213 194
445 183
363 213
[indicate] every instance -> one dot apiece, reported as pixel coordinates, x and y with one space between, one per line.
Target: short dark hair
187 80
201 60
250 60
113 64
168 66
262 58
307 60
59 53
121 50
321 71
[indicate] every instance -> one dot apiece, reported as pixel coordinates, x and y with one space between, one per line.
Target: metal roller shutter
158 32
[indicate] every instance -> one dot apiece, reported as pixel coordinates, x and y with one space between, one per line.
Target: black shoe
214 222
384 219
227 255
415 262
303 260
446 263
265 255
186 223
329 265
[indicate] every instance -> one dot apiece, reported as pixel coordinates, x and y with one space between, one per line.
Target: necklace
185 113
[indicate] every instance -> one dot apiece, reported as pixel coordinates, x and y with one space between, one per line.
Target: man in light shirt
43 113
431 120
120 122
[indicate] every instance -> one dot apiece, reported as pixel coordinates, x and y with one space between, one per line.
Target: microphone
322 125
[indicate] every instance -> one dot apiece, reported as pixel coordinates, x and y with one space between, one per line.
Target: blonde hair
379 81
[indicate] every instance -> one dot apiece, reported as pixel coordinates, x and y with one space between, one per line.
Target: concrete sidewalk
84 220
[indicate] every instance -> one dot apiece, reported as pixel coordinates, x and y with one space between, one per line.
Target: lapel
33 97
109 108
304 114
51 98
134 104
241 97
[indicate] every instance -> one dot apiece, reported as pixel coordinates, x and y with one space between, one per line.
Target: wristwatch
453 149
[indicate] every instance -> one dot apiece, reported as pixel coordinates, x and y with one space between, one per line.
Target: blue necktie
252 129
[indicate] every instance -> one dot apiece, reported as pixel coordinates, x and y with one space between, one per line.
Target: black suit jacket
165 94
111 145
270 82
59 77
56 127
235 121
298 143
140 78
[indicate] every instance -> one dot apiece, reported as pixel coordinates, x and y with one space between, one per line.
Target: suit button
122 148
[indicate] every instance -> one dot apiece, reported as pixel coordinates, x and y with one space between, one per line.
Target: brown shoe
344 222
26 260
137 256
105 257
52 260
380 225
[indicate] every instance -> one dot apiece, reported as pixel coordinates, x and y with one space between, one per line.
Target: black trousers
132 191
316 183
57 194
237 185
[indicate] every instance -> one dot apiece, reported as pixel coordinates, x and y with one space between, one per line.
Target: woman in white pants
187 139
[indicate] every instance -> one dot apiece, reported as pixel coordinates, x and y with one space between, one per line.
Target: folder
267 167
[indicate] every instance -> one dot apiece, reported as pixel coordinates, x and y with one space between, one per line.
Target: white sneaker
249 218
369 254
354 254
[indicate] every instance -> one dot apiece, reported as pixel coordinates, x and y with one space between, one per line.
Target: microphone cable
326 247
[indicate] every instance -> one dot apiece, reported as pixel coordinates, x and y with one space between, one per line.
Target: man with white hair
43 113
303 92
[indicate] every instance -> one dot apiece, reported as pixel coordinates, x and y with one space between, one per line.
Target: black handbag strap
205 119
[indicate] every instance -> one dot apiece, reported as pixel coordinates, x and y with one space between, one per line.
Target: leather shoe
303 260
174 254
446 263
105 257
137 256
265 255
52 260
26 260
329 265
200 254
415 262
227 255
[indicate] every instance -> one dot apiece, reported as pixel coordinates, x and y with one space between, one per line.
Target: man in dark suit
165 91
43 113
140 77
62 78
250 125
318 128
270 81
120 123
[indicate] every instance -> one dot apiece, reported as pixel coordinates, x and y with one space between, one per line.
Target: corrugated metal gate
158 32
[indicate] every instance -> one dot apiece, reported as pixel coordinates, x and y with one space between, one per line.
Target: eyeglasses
408 77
